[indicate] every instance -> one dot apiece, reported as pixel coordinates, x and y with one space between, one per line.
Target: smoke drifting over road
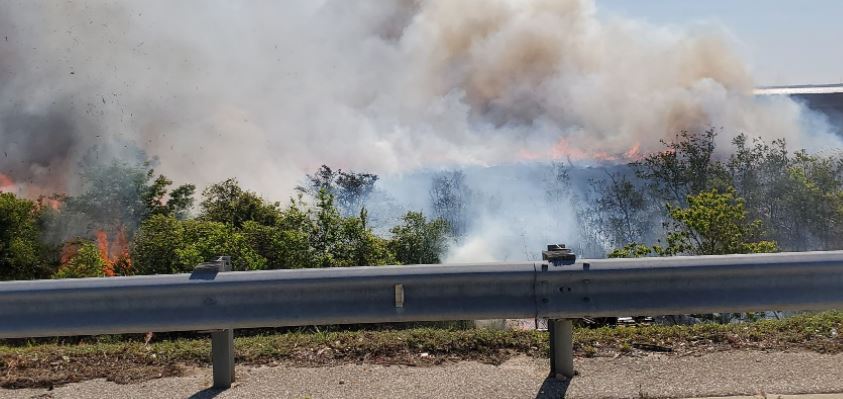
266 91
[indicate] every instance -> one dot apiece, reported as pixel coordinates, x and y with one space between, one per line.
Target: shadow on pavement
207 393
553 388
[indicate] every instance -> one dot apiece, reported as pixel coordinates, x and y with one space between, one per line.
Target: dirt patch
49 371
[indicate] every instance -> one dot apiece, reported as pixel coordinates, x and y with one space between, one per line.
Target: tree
813 203
118 196
159 202
86 262
623 212
20 239
226 202
450 199
155 243
713 223
345 241
359 246
759 173
798 197
419 241
350 189
557 185
631 250
203 240
326 232
687 166
112 195
286 245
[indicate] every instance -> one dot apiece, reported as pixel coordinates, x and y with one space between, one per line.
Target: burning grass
127 360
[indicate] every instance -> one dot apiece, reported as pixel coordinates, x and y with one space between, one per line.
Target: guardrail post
222 341
222 357
561 347
561 331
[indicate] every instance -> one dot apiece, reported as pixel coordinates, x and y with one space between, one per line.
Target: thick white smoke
267 91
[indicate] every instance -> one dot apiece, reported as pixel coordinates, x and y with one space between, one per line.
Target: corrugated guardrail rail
210 299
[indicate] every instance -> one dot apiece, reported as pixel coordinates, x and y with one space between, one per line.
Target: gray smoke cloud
267 91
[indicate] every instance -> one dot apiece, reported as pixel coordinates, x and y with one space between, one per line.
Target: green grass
118 359
819 332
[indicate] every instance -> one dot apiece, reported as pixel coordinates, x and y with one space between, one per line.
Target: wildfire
68 251
53 202
565 149
102 244
6 181
44 195
115 254
634 152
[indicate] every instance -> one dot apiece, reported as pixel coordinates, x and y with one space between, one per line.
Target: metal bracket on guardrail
558 255
220 264
222 341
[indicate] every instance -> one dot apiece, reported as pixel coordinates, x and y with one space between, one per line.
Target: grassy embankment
119 359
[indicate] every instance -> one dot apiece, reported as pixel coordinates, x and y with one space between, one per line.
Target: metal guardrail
210 299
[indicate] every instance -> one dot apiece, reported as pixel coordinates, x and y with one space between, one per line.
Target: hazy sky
785 41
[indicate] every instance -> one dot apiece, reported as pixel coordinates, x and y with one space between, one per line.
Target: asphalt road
715 374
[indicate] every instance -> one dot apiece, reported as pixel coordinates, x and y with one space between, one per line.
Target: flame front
564 149
102 244
5 181
114 255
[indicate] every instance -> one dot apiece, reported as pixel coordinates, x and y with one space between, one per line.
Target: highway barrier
212 298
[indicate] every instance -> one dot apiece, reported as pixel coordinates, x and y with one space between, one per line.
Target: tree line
326 224
691 198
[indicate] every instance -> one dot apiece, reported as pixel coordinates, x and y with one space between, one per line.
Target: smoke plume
267 91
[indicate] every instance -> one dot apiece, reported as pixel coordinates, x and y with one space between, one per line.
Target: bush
418 241
164 244
87 262
20 239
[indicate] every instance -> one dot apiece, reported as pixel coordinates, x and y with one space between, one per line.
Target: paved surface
717 374
801 396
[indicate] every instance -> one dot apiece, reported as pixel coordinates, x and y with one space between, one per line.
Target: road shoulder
748 373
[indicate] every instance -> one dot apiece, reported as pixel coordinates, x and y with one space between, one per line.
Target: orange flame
565 149
115 255
49 202
633 153
102 244
28 190
68 251
6 181
123 259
